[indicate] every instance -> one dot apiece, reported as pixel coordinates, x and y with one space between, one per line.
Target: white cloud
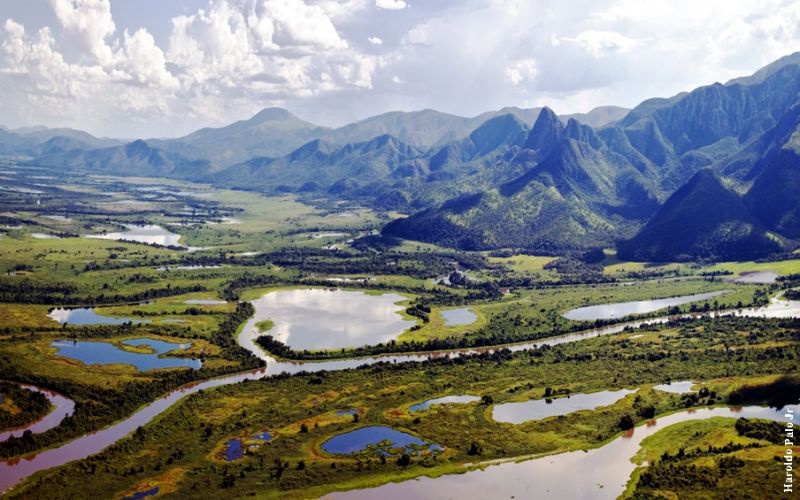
228 59
521 71
599 43
391 4
89 23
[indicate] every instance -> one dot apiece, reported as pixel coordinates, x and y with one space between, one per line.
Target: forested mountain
522 178
586 187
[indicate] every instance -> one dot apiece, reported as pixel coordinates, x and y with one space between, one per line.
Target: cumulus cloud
391 4
521 71
335 61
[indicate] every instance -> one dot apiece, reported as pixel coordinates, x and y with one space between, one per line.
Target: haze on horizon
151 68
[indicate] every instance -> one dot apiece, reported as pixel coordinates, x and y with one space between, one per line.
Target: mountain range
713 173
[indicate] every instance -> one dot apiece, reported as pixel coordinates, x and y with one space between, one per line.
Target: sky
158 68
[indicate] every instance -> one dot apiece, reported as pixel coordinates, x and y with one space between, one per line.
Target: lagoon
86 316
385 438
106 353
537 409
622 309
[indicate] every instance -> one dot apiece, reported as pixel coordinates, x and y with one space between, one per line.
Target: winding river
14 471
63 407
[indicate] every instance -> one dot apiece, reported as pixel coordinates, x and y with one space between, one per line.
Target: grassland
182 452
193 435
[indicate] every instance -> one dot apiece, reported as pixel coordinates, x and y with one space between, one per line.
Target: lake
537 409
459 317
622 309
106 353
62 408
150 233
317 318
87 316
600 473
385 438
443 400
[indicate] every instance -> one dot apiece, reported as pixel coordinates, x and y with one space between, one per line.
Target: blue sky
154 68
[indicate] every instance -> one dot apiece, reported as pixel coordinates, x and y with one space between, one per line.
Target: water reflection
86 316
149 233
105 353
459 317
317 319
621 309
537 409
384 439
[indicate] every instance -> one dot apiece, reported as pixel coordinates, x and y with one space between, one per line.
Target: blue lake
86 316
385 438
459 317
106 353
234 451
443 400
342 413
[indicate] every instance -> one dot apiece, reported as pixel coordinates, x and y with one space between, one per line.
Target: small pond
444 400
682 387
621 309
87 316
316 318
537 409
234 450
383 437
459 317
106 353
